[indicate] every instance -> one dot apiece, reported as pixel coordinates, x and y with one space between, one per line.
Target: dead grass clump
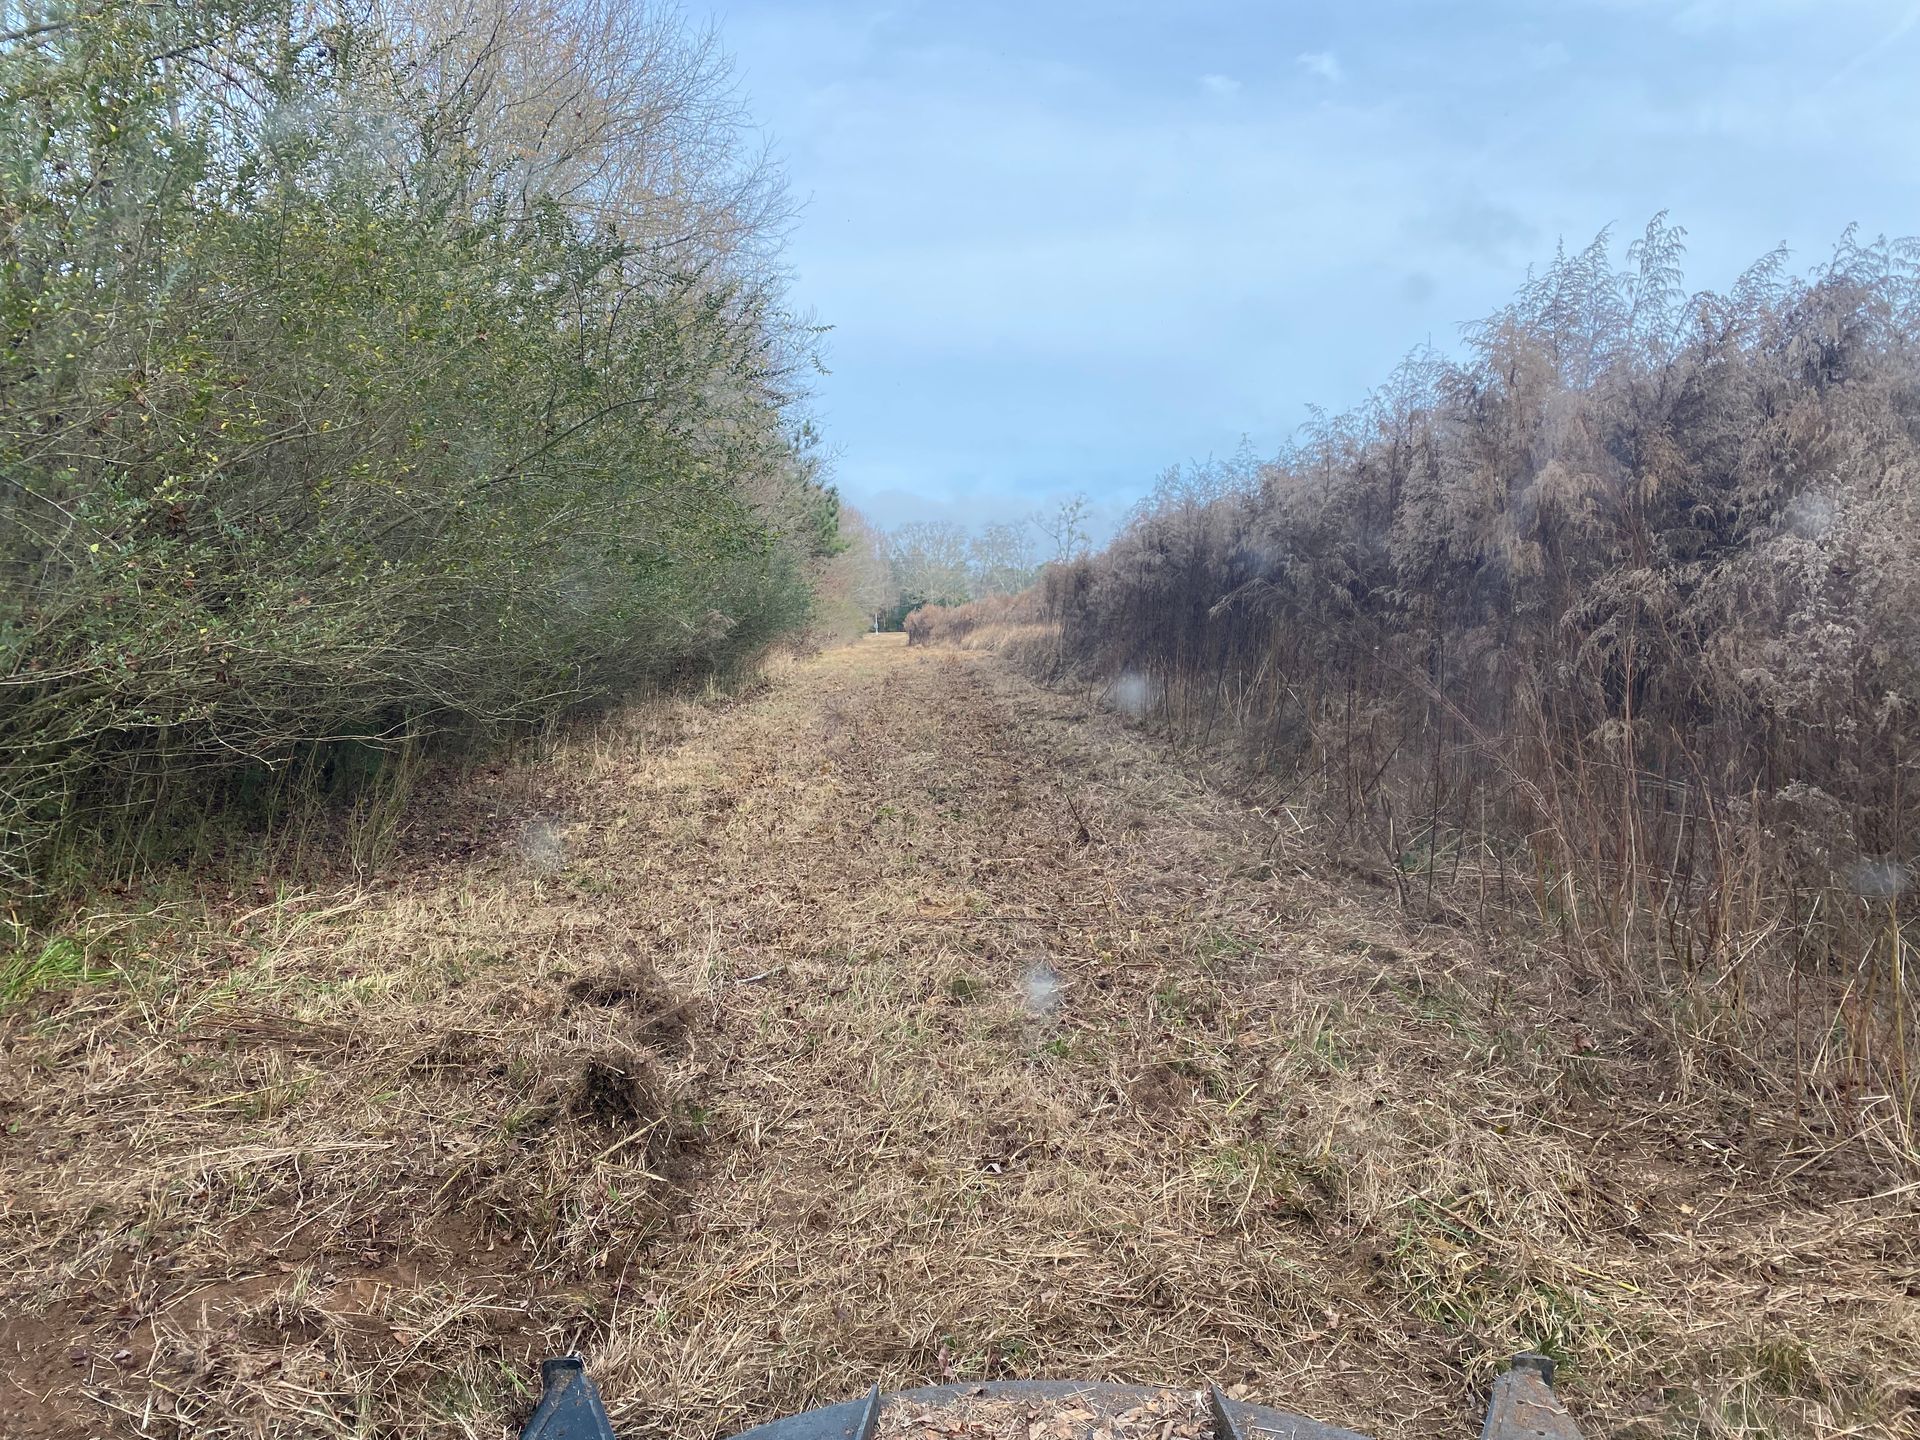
316 1125
635 989
619 1093
1032 649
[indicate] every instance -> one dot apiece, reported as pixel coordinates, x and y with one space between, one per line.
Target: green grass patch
61 963
965 989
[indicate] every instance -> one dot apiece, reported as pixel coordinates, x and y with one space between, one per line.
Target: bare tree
617 110
929 560
1065 529
860 572
1000 558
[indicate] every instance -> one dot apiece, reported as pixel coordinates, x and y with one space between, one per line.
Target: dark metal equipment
570 1408
1523 1406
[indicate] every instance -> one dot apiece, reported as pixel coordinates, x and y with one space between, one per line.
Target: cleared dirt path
900 1022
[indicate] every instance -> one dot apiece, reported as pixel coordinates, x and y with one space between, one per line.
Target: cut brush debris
1051 1064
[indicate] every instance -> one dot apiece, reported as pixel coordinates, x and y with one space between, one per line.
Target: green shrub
322 419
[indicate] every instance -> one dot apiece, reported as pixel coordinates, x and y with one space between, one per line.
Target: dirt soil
904 1022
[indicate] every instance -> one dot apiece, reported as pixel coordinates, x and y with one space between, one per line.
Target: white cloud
1222 85
1321 63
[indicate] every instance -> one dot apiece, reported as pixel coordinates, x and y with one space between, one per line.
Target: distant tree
929 561
1000 558
860 572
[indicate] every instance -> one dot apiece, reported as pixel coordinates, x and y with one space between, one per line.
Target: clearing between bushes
897 1021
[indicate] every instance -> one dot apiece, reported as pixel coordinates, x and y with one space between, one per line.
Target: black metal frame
1523 1406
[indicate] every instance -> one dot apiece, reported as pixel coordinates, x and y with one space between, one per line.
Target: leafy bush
376 382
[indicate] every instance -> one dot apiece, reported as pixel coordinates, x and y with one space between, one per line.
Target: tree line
941 564
370 374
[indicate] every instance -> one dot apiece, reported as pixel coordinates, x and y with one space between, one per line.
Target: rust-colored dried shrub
1609 626
984 624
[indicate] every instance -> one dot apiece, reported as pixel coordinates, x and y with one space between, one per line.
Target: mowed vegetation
899 1021
1606 632
371 377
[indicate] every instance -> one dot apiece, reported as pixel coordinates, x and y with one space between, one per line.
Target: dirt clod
618 1093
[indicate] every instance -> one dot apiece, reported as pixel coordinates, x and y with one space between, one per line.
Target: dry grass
902 1022
1001 637
992 622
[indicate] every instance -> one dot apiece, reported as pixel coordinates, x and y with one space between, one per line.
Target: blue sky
1064 245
